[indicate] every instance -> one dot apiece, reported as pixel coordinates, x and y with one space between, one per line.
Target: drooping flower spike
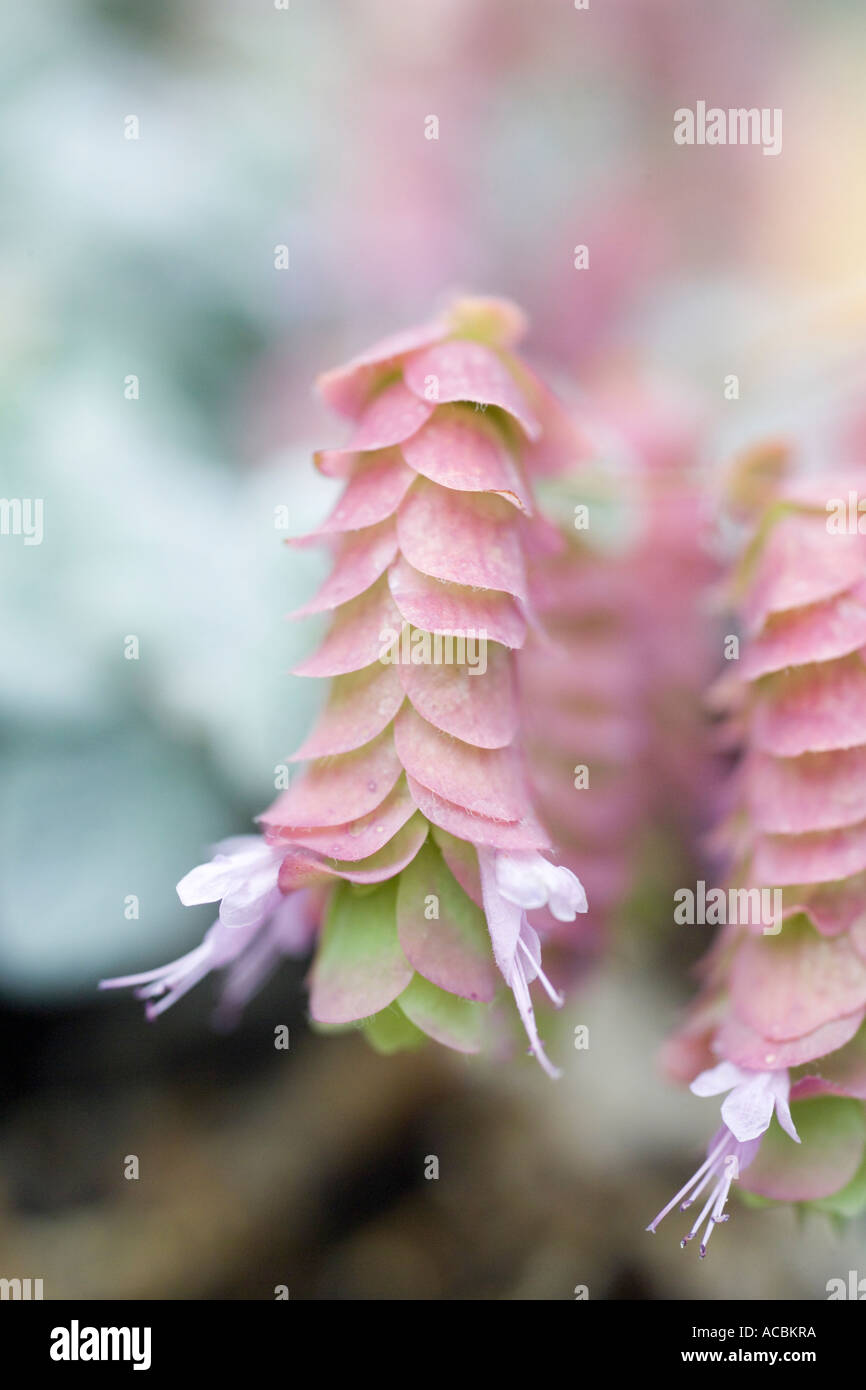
413 810
784 999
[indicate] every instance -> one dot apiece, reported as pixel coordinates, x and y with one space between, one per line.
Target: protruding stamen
707 1164
553 994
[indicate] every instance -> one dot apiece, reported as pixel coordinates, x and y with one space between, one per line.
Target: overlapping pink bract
427 538
785 1000
414 804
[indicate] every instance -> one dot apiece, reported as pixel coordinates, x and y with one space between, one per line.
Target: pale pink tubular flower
747 1111
241 877
413 816
257 926
511 885
753 1098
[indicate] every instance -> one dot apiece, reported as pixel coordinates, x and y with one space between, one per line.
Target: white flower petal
207 883
242 847
567 895
531 881
520 878
719 1078
503 915
251 899
748 1110
781 1088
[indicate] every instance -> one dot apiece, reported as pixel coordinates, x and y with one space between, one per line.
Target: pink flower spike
754 1096
422 733
242 874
